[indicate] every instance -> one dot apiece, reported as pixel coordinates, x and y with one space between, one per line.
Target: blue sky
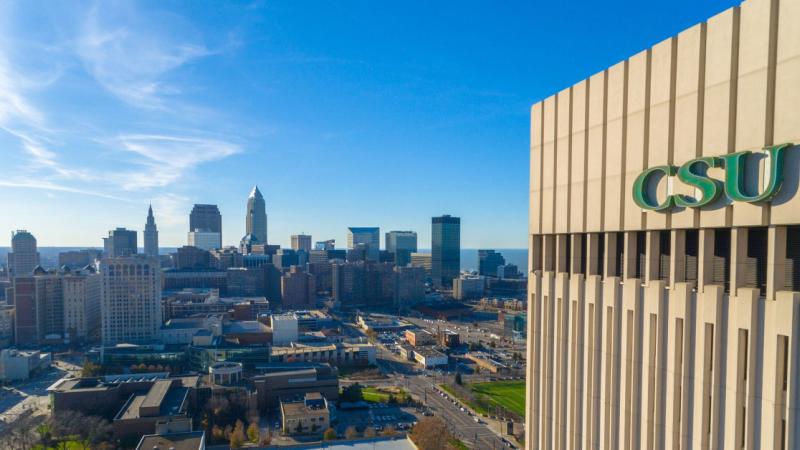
344 113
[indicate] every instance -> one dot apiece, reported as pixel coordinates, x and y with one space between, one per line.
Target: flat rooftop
170 405
177 441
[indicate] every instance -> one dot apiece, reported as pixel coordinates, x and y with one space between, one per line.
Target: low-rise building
485 362
16 365
340 354
428 357
106 396
195 440
166 402
307 416
419 337
295 380
449 338
225 373
284 328
468 287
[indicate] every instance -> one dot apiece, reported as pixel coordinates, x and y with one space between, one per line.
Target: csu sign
693 173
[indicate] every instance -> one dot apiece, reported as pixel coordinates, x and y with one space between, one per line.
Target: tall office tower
301 242
330 244
445 250
120 242
256 221
130 300
422 260
81 300
298 289
488 262
24 256
205 239
402 244
78 259
370 237
39 303
660 315
205 218
150 235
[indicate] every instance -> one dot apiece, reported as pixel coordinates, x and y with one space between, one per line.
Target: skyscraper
298 289
402 244
301 242
130 299
256 216
120 242
369 237
205 218
445 250
150 235
24 256
488 262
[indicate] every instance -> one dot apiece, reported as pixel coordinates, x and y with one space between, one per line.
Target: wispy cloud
166 159
130 53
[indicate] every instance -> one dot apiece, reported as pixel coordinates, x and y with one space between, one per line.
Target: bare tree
430 433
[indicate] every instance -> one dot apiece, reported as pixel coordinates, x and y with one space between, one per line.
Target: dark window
755 269
641 254
582 237
601 254
692 248
793 258
721 262
568 257
664 239
619 255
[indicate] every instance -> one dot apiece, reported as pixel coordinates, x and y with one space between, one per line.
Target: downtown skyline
106 108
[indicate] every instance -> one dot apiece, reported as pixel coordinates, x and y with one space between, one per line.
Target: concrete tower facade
150 235
130 300
24 256
257 216
662 315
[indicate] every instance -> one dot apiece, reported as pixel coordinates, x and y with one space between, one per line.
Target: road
404 374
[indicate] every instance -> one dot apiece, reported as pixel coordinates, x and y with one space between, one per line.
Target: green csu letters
694 173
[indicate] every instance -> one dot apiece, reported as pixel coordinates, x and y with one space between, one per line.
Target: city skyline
188 106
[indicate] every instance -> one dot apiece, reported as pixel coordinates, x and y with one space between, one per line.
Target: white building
284 328
468 287
17 365
81 298
206 240
131 300
428 357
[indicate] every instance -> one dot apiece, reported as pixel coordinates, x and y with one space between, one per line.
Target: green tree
253 433
237 437
329 435
351 433
352 393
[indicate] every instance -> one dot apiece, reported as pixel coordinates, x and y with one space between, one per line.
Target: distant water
469 256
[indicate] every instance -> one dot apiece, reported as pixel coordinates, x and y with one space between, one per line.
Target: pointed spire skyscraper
256 220
150 235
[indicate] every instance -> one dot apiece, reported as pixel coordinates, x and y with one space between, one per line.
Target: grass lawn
71 445
381 395
508 394
456 444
